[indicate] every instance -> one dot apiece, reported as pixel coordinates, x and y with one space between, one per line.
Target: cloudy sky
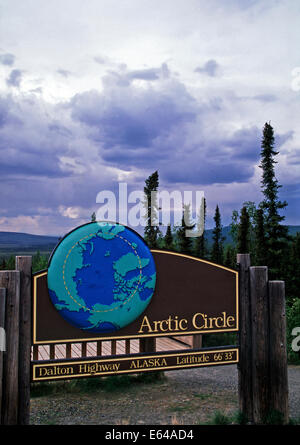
97 92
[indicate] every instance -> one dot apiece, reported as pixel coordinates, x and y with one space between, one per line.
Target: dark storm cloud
30 141
210 171
210 68
14 78
145 128
7 59
266 97
133 118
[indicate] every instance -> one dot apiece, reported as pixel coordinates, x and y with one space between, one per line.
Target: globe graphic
101 277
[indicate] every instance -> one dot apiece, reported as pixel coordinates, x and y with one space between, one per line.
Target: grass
237 418
91 385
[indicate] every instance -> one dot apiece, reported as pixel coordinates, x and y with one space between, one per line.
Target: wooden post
278 352
52 351
147 344
113 347
83 349
35 352
11 281
99 347
260 342
245 342
127 346
197 341
68 350
2 341
24 265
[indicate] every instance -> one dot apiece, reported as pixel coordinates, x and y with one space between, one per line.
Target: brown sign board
162 361
192 296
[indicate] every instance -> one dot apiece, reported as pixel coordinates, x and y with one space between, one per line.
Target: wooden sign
160 361
192 296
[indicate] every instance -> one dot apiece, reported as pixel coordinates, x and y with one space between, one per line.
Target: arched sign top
193 258
188 295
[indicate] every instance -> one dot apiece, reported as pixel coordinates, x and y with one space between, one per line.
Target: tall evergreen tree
276 233
93 217
260 239
293 281
243 238
217 248
230 257
200 243
168 239
151 231
185 243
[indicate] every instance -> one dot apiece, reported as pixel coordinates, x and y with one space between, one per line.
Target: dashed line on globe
123 303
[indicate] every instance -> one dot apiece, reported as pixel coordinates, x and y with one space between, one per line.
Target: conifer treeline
255 229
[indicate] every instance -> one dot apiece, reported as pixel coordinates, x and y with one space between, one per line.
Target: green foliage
243 237
217 248
108 384
168 243
293 321
220 419
260 238
276 233
39 262
230 257
185 243
151 231
201 250
222 339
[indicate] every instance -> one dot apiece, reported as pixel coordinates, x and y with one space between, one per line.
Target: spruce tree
168 239
230 257
151 231
293 278
243 241
93 217
200 243
185 243
260 239
217 248
276 233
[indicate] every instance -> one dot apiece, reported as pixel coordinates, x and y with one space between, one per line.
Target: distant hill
15 242
11 242
228 240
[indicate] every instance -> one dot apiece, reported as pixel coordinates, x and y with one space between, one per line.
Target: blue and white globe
101 277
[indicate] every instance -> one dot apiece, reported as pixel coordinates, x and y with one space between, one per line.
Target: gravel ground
186 397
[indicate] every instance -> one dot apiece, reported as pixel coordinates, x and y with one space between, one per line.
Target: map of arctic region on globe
101 277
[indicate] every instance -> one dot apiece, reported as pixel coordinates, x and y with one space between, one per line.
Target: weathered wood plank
68 350
260 342
197 341
52 351
99 347
127 346
278 351
147 344
2 341
245 339
11 281
24 266
83 349
113 347
35 352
